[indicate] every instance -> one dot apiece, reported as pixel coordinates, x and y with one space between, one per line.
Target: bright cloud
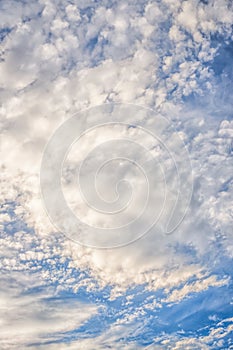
59 58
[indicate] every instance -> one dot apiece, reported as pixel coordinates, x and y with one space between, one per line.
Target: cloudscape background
163 291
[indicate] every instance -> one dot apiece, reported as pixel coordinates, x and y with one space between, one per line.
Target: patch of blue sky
190 315
4 32
15 224
188 319
222 68
193 313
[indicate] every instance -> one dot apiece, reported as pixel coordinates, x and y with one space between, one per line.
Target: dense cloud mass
173 58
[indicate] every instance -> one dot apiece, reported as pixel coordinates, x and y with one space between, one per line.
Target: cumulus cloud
58 58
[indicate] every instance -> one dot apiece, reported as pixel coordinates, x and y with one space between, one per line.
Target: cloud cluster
58 58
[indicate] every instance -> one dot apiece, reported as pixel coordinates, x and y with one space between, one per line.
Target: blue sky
169 64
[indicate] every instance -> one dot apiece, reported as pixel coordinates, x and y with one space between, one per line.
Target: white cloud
200 285
64 60
214 339
36 318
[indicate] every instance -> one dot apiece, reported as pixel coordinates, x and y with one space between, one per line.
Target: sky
116 174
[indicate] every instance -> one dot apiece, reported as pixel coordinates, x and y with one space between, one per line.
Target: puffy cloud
31 115
59 58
